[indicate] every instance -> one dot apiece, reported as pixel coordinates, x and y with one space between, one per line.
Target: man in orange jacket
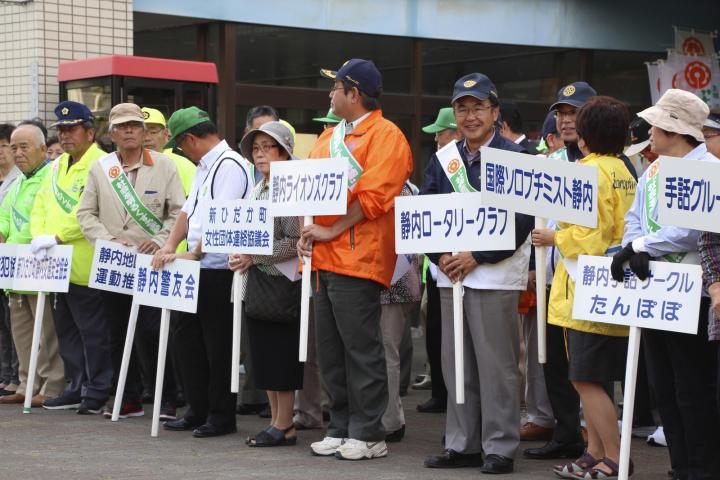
354 259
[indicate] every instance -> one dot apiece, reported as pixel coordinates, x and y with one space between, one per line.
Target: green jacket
17 205
55 210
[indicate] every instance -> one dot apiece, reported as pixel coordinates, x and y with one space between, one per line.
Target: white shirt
350 126
228 182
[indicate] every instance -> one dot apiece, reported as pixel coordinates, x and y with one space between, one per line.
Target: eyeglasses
154 131
477 110
265 147
709 135
567 113
336 87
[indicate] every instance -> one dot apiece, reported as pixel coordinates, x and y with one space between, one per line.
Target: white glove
42 242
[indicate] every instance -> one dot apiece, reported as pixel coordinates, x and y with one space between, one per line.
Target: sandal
595 473
568 470
272 437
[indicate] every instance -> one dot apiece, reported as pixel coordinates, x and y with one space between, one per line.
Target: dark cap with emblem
474 85
363 74
575 94
72 113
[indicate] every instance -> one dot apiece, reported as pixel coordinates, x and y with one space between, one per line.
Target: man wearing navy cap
54 221
354 259
488 420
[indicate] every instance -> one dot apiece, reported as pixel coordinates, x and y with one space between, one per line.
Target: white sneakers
327 446
657 439
349 448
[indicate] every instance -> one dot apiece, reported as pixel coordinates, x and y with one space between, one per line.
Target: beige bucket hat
678 111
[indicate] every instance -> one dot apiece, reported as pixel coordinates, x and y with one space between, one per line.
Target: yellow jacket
186 169
616 193
49 217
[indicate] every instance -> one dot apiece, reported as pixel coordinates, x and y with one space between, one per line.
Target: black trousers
682 372
84 342
433 339
203 343
351 355
143 359
564 400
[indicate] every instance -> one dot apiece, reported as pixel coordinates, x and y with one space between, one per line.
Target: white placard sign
669 299
237 226
48 274
8 258
451 222
564 191
113 267
174 287
308 187
688 193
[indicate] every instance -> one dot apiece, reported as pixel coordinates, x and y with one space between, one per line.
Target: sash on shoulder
338 149
128 196
454 168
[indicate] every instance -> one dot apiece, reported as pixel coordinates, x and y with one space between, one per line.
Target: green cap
183 120
329 118
445 120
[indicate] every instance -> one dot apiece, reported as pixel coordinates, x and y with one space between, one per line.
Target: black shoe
434 405
497 464
180 425
62 402
396 436
90 406
553 449
250 408
452 459
210 430
265 412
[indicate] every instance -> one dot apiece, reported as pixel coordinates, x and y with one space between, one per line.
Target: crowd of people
365 298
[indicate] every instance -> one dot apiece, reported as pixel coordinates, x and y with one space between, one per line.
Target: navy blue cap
712 121
575 94
72 113
474 85
549 125
361 73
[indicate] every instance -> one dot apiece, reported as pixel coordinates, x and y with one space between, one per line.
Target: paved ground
63 445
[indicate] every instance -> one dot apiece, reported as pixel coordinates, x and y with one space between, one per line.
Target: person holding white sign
132 197
28 148
54 221
596 351
272 301
353 257
203 340
681 367
490 417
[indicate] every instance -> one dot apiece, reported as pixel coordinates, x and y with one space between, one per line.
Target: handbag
272 298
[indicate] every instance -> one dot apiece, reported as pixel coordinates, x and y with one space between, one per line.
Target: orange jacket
367 250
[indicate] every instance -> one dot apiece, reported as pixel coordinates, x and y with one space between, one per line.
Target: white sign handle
540 293
305 301
127 352
237 323
458 329
159 376
629 400
37 331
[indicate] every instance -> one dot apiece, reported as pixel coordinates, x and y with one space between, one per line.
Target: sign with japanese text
308 187
35 273
451 222
669 299
113 267
563 191
237 226
174 287
689 193
8 258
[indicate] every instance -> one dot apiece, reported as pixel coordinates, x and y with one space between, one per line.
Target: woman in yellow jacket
596 351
